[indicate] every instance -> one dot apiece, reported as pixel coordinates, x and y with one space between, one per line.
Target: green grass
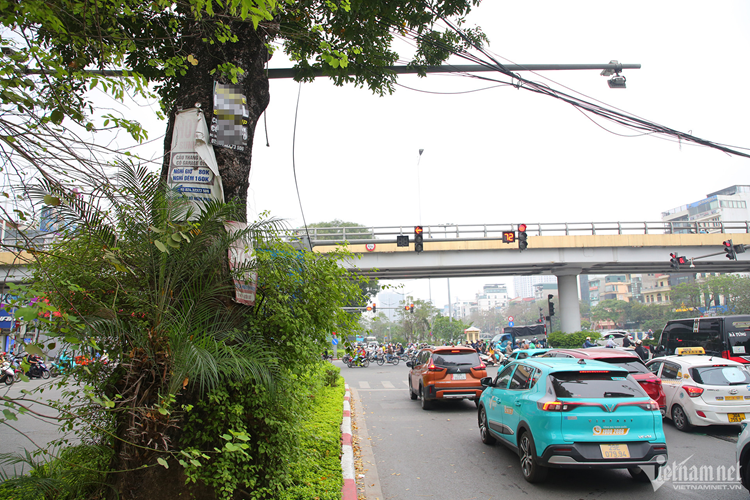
316 471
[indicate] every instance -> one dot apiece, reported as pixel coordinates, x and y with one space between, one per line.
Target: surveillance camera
617 82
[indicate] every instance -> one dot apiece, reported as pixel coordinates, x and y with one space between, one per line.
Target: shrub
573 340
315 471
77 473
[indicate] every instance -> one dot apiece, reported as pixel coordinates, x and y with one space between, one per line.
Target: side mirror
409 364
486 382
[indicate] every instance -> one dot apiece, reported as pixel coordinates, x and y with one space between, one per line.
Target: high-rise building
524 285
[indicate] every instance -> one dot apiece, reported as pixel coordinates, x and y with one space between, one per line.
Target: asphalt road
438 453
29 432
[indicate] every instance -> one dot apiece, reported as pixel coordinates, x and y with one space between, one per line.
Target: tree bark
196 87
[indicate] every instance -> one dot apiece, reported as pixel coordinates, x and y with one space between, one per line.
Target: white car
703 390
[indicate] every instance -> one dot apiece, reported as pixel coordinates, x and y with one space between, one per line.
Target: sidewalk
361 481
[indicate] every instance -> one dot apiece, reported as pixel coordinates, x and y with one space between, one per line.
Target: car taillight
481 366
650 406
693 391
555 406
434 368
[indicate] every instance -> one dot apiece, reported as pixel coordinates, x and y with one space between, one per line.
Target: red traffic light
522 227
728 243
418 230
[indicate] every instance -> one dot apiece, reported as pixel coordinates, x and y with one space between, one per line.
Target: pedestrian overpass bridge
564 251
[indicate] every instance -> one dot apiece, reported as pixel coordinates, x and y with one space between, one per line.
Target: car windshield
632 365
603 384
449 359
720 375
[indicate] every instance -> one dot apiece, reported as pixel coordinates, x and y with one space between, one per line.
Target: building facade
524 285
493 297
706 215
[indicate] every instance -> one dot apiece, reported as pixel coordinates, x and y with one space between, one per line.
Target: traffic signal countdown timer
522 243
509 236
418 245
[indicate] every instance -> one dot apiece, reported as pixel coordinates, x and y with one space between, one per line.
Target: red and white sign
370 247
510 318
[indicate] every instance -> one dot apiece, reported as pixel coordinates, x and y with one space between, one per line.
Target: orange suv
446 373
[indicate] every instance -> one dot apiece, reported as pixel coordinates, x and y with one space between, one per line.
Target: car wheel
484 431
680 419
426 405
531 470
639 475
745 475
412 394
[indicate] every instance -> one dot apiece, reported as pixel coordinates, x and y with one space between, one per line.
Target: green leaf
163 462
52 201
161 246
10 415
34 349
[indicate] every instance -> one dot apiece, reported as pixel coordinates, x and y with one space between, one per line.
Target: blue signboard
335 341
510 323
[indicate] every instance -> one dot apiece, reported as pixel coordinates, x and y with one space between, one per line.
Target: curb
349 489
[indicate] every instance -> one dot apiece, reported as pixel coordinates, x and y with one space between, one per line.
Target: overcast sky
506 155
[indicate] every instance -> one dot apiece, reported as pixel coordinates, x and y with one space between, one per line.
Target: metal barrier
333 235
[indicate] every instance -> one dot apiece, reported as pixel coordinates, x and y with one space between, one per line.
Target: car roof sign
686 351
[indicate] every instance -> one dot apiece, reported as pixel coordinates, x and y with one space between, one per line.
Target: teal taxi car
572 413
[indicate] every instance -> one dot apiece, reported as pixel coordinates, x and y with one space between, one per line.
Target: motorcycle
7 374
363 362
392 359
327 357
40 370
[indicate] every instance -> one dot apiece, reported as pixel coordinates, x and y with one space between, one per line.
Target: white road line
364 385
388 385
406 383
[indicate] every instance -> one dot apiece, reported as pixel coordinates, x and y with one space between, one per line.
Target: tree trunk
196 87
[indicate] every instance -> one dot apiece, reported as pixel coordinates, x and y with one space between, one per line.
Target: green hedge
316 470
573 340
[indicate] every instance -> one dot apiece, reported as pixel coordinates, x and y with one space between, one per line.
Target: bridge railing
333 235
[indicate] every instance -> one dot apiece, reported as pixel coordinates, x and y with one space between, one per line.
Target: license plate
736 417
459 376
733 398
615 451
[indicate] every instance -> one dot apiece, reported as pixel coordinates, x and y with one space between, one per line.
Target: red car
626 359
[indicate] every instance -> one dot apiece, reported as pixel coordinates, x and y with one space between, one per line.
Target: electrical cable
294 167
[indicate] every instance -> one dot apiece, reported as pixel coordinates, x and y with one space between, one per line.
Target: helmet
611 336
588 338
639 341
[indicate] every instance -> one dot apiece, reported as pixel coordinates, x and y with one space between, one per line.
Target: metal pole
400 70
450 303
467 68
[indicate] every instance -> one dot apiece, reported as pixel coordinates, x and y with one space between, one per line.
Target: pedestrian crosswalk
383 385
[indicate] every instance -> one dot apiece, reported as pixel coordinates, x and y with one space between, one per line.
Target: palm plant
155 293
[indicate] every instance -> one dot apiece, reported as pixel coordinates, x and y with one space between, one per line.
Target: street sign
370 247
510 323
510 318
335 341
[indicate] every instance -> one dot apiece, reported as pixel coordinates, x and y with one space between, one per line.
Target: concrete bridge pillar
570 313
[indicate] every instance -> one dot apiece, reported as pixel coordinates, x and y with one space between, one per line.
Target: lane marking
387 384
364 385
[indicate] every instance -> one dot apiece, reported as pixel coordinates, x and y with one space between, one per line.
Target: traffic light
411 308
418 245
374 308
551 305
675 261
729 249
369 308
522 243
